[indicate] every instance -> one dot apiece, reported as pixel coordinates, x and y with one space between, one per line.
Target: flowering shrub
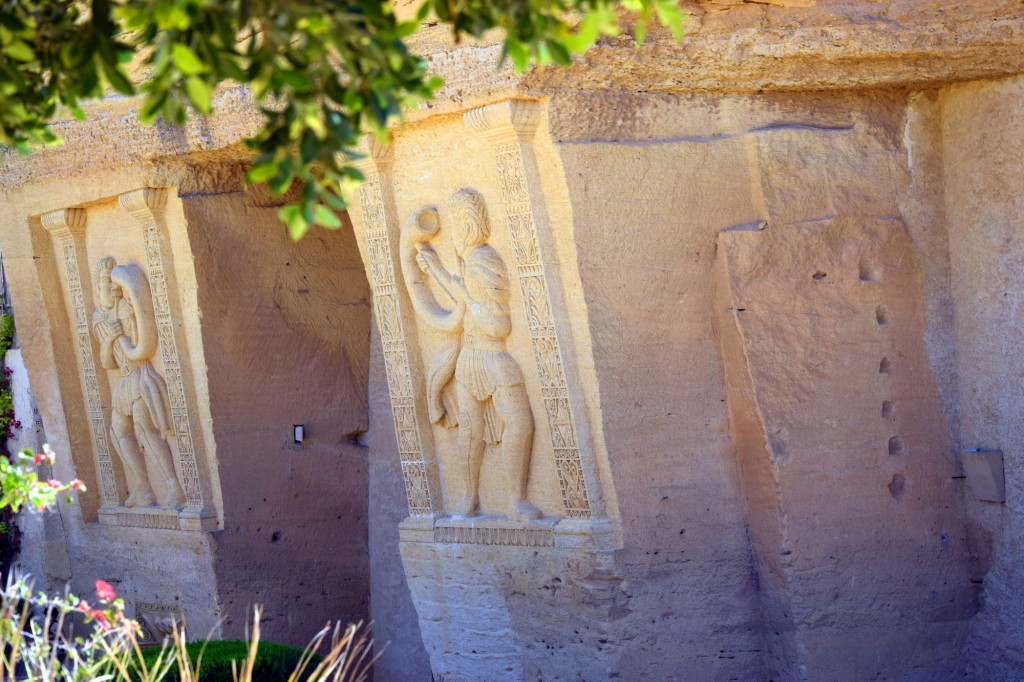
10 535
70 639
37 648
20 484
8 422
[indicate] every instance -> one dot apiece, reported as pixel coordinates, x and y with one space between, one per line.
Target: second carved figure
140 422
474 383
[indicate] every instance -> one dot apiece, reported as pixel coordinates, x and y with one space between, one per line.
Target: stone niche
188 335
117 274
473 303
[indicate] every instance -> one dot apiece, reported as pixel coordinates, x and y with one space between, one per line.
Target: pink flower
83 606
78 485
39 458
54 483
101 618
104 591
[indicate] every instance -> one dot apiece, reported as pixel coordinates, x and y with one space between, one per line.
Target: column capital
144 203
377 156
64 220
512 120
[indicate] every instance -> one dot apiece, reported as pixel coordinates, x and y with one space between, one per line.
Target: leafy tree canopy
323 71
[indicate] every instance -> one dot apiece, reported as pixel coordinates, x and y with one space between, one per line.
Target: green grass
274 662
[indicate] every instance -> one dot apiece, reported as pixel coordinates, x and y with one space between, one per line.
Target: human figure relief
140 422
474 384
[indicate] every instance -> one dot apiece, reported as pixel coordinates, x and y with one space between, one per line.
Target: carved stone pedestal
518 602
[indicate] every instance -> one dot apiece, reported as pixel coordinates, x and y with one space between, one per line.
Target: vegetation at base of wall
217 660
6 333
10 534
322 72
72 639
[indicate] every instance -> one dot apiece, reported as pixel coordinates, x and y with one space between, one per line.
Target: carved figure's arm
418 259
491 318
106 330
107 346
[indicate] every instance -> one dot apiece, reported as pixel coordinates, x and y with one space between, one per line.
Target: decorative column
67 228
509 128
415 441
147 206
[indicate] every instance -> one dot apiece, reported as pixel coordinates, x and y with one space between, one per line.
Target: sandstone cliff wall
761 291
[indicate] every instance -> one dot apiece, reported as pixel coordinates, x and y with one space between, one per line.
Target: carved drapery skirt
482 368
145 384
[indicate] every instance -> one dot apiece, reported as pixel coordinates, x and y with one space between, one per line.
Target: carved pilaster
66 227
147 205
380 224
509 127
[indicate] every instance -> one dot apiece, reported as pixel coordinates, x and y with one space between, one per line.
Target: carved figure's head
470 226
107 292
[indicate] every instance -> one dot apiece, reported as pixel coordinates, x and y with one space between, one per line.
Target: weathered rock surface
737 303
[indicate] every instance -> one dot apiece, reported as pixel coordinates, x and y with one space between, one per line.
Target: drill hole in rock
870 272
896 446
884 366
888 408
882 315
897 486
819 275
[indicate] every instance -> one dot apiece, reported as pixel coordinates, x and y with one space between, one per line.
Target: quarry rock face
686 362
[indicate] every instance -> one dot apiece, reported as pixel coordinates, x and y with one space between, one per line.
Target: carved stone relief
62 225
140 420
144 204
474 384
147 412
507 126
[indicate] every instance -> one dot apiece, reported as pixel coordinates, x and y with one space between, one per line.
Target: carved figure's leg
471 453
153 442
122 435
513 405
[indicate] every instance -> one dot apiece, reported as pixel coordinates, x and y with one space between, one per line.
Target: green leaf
585 34
558 53
232 70
170 15
298 81
640 31
671 16
291 216
20 50
407 28
116 77
326 218
198 93
186 60
518 53
309 148
334 201
262 172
